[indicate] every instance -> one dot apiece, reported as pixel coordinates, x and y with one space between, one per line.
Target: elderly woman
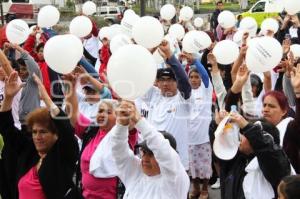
96 181
42 166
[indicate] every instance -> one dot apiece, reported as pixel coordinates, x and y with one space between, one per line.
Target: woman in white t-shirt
199 146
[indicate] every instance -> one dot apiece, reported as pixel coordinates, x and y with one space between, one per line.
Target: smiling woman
41 167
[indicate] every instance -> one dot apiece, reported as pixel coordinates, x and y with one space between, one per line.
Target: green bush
99 21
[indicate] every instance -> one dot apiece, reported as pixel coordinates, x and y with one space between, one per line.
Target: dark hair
193 70
219 2
280 97
290 187
40 116
38 47
256 81
21 62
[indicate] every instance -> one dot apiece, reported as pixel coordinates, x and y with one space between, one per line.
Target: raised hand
295 80
12 85
213 61
243 74
238 119
188 56
286 45
164 50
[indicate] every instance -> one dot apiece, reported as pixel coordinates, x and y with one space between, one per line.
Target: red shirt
3 37
95 188
29 186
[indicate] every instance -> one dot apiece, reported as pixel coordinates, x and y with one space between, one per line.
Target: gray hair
110 102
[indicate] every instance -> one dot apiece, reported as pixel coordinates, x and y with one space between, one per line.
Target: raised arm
4 62
235 91
84 75
68 144
183 84
11 135
32 66
71 98
294 126
200 68
241 57
128 165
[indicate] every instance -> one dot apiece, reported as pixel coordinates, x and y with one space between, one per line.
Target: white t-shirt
89 110
15 104
172 182
200 115
170 114
92 45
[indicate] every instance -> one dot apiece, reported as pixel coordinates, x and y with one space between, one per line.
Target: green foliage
70 4
1 145
99 21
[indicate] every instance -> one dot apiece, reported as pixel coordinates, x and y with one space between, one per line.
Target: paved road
214 193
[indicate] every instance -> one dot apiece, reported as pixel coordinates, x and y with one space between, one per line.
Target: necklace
39 163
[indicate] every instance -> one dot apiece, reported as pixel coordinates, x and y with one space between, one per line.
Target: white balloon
17 31
81 26
62 53
198 22
158 58
105 32
176 31
172 42
116 29
48 16
269 24
119 41
226 19
194 41
295 49
167 12
249 24
148 32
263 54
238 37
129 12
131 71
226 52
128 22
186 13
31 28
89 8
291 6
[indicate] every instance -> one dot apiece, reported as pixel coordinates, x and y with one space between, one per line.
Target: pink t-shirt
30 187
96 188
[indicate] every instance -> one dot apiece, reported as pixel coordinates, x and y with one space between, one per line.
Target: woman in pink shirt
92 136
40 166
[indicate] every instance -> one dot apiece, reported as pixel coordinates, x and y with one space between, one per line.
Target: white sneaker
216 185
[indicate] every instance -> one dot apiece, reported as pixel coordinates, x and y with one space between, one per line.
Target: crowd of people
71 136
